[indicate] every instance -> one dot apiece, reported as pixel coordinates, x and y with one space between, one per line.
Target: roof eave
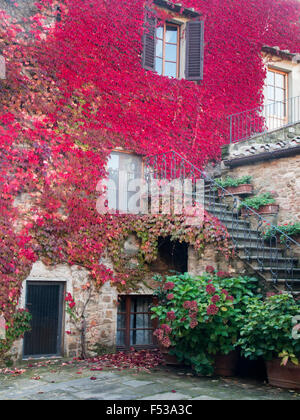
286 54
177 8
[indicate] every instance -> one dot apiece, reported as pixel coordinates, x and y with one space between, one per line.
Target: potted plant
261 204
290 229
267 332
199 319
235 186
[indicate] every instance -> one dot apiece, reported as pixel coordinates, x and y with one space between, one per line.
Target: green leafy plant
267 329
233 182
101 349
290 229
286 357
201 316
258 201
16 327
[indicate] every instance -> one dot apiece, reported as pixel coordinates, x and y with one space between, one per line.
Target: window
167 50
174 48
125 173
134 326
276 110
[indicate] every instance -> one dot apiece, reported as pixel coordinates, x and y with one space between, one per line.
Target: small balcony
264 119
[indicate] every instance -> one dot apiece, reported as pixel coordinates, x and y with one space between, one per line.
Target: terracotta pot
244 189
268 209
283 376
169 359
226 365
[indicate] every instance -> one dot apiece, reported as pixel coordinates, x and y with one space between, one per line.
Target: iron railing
263 119
273 257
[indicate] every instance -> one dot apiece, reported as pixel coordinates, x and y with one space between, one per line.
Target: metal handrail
171 165
264 118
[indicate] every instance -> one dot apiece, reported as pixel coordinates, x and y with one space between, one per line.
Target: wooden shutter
58 14
149 41
194 50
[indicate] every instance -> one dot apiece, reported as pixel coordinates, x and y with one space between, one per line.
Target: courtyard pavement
59 381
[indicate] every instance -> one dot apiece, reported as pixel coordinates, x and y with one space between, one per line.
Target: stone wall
279 176
197 265
18 9
273 160
101 311
73 279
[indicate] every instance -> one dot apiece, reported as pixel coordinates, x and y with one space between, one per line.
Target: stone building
116 320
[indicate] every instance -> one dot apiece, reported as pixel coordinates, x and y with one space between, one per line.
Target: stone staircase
276 263
271 260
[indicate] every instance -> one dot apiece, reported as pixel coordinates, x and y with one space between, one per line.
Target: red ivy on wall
77 89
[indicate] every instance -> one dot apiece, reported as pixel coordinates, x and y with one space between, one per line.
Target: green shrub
291 229
201 316
101 349
267 328
16 328
233 182
258 201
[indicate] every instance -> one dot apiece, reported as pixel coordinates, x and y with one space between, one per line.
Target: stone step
211 198
259 251
242 232
292 285
290 281
273 261
241 240
223 214
282 272
252 247
215 204
235 223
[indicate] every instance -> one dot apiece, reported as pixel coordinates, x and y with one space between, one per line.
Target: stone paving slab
167 396
80 383
136 384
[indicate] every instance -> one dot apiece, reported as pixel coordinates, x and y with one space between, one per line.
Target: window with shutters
174 48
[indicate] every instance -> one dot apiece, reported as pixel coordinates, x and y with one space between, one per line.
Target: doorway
174 254
44 300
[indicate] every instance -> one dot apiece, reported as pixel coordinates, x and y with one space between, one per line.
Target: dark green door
45 303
